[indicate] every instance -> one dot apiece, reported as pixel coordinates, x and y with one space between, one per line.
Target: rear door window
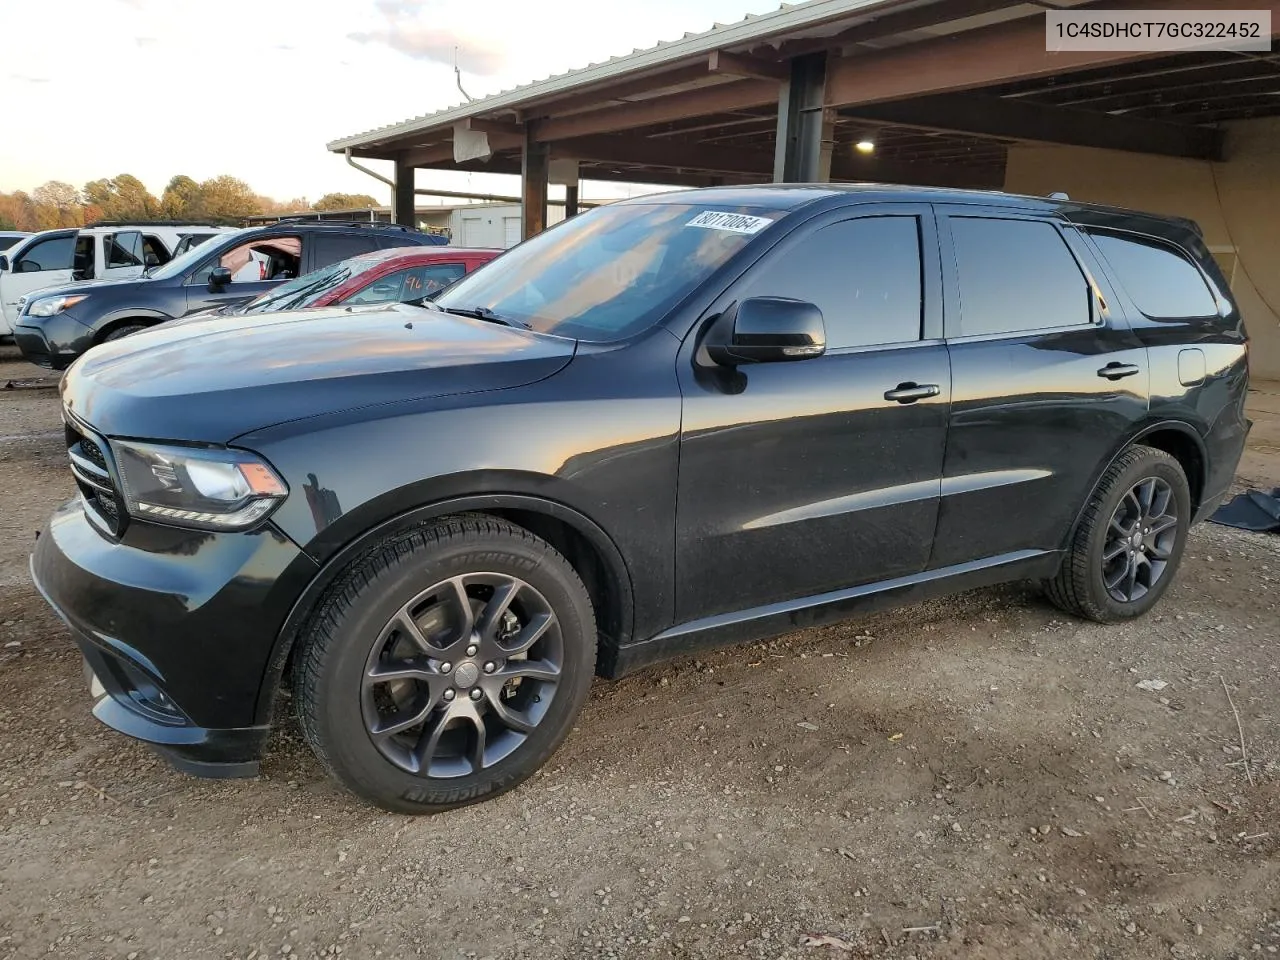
1016 276
123 249
84 265
154 252
332 247
1160 280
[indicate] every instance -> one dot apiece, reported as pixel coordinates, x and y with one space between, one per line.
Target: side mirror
219 277
26 266
4 263
770 330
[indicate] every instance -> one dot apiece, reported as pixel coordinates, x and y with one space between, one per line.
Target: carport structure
959 93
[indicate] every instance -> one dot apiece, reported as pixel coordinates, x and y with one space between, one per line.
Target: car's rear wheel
1129 541
446 665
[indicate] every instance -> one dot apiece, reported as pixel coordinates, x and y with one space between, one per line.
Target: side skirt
774 619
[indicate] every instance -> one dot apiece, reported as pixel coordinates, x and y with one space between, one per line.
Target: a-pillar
806 131
402 197
535 160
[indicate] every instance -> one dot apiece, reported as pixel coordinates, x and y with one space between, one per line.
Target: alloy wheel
1140 540
462 675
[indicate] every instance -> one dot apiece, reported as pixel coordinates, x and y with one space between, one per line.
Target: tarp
1254 510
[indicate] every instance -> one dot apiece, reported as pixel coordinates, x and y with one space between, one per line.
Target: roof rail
156 223
310 219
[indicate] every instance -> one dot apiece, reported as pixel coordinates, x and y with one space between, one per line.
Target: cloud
408 32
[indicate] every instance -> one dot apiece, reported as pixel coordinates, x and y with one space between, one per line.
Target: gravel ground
978 777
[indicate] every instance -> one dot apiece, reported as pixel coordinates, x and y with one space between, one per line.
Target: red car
382 276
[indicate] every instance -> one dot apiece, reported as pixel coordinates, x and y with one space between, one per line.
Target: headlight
193 487
50 306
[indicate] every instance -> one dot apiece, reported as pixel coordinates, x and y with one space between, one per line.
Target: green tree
345 201
182 199
121 198
225 197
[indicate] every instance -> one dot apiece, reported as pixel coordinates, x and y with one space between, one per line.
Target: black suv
669 423
58 324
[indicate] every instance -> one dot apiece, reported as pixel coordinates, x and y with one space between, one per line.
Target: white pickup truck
115 252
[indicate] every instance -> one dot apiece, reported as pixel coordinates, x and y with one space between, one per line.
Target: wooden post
402 197
535 160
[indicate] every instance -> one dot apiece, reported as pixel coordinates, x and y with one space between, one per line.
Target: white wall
488 224
1236 203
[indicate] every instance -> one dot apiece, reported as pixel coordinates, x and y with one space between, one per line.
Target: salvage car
59 324
395 275
667 424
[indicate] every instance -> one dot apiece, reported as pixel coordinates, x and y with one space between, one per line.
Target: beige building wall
1237 203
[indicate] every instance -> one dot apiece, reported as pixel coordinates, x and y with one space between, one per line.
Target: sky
256 88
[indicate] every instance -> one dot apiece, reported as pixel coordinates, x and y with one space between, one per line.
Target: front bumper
53 341
178 628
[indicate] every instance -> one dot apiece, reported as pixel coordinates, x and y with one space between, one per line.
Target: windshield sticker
732 222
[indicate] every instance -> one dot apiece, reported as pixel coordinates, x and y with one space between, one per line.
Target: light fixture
865 146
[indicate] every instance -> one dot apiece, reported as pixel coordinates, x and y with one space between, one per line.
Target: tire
120 333
399 610
1081 586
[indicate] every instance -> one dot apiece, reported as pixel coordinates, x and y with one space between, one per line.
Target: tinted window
52 254
84 263
123 249
7 241
1016 275
864 275
1159 279
332 247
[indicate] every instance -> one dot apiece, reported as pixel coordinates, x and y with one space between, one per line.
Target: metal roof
789 19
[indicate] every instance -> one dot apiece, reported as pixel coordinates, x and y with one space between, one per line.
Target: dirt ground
978 777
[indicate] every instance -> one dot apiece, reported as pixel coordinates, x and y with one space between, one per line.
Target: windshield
180 265
310 287
609 273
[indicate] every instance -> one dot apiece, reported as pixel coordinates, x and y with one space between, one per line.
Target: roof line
753 27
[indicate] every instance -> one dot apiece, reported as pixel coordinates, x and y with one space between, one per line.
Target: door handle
911 391
1118 371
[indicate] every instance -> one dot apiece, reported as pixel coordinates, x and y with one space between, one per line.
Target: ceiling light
865 146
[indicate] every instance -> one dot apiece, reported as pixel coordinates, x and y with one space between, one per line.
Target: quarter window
330 248
1016 275
864 275
1161 282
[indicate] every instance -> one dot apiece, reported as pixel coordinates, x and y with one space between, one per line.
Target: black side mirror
219 277
4 263
26 266
769 330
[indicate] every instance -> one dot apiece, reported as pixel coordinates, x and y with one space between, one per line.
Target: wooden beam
739 65
1022 120
651 153
977 58
534 162
721 98
429 156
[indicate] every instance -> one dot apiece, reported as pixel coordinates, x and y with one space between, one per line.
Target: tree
345 201
57 205
19 209
182 199
121 198
225 197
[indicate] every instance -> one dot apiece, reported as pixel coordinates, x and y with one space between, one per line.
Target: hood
83 287
214 379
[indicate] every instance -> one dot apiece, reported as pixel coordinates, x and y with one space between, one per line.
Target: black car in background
666 424
59 324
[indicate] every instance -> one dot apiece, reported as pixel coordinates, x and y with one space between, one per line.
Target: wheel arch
586 546
1177 438
146 317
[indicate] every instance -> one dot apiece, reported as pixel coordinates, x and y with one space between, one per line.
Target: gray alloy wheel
446 664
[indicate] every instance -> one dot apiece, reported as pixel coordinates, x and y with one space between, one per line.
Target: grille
93 473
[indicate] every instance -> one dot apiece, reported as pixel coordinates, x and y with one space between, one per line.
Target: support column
535 161
571 201
402 197
806 130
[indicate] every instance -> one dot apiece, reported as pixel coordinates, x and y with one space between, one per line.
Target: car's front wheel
447 665
1129 541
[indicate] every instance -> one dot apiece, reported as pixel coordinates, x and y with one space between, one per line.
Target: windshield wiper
484 313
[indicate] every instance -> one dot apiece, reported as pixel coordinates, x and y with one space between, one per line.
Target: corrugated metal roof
753 28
